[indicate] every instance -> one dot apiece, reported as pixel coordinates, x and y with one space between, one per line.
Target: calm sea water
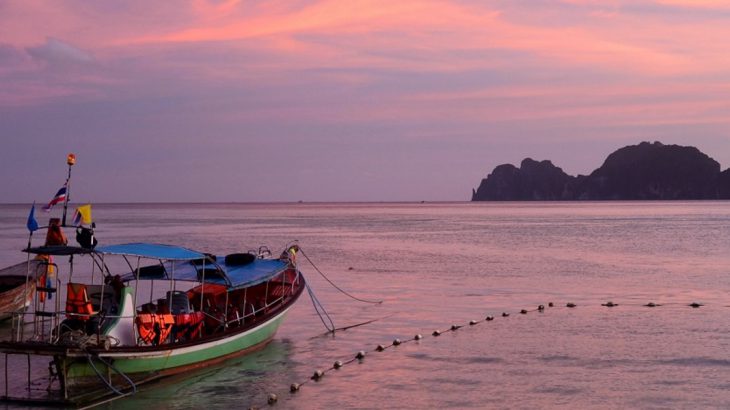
435 265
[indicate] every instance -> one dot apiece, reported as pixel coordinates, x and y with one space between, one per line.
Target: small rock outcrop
532 181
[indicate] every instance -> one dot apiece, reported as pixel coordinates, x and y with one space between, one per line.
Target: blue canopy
255 272
195 267
150 250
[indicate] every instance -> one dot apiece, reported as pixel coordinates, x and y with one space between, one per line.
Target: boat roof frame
138 249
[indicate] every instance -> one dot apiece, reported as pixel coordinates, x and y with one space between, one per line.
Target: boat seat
179 302
105 301
163 306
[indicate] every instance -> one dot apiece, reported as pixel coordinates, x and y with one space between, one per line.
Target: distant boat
173 310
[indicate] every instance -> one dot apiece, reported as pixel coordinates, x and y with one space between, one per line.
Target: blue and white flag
59 197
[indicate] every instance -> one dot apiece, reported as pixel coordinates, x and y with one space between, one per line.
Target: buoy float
454 327
651 304
570 305
294 387
337 364
695 304
472 322
489 318
609 304
541 308
550 304
360 355
505 314
380 348
317 375
396 342
418 337
523 311
436 333
272 398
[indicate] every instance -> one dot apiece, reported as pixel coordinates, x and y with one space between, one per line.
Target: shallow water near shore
439 264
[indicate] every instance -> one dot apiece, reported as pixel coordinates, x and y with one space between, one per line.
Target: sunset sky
338 100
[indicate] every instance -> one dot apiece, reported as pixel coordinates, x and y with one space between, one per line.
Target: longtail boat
15 294
171 310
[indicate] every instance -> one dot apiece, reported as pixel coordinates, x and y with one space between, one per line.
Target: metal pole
21 317
70 160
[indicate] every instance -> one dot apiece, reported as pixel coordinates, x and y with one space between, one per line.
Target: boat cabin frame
113 331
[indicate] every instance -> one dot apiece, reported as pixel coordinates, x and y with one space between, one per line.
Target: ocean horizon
439 265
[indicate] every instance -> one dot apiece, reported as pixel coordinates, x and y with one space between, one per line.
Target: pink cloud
356 41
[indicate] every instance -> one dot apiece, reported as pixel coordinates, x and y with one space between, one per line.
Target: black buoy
695 304
337 364
651 304
417 337
505 314
570 305
294 387
455 327
523 311
489 318
396 342
472 322
436 333
609 304
318 374
360 355
541 308
380 348
550 304
272 398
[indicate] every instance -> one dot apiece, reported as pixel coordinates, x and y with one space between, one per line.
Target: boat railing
56 331
51 326
254 311
42 317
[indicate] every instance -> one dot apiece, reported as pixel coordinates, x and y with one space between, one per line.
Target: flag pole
70 160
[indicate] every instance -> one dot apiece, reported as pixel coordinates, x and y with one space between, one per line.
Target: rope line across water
360 356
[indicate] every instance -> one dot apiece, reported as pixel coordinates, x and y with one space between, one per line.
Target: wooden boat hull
17 298
142 365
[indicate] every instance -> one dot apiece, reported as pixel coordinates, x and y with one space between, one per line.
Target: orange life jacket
78 305
189 325
154 328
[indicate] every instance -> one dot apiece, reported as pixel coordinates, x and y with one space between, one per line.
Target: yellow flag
82 215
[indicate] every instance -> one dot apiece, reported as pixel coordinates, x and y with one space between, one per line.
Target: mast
70 160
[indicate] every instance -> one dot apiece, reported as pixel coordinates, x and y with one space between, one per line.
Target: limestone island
648 171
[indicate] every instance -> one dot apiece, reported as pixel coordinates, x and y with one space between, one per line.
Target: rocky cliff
637 172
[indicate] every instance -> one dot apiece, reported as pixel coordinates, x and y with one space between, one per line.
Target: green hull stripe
131 363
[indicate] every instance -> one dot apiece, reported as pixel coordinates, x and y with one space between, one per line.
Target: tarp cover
150 250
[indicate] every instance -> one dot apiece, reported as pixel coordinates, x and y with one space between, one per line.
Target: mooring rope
317 306
90 358
360 356
367 322
375 302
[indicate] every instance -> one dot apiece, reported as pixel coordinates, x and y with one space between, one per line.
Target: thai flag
59 197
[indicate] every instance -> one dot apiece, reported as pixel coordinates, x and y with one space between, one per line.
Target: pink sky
346 100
